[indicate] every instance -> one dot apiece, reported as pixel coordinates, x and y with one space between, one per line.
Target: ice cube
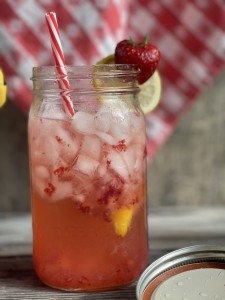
138 129
140 138
105 137
40 176
41 173
48 138
118 164
86 165
133 158
83 122
129 156
103 120
69 150
91 146
51 110
57 142
83 185
120 128
102 169
63 190
36 155
139 158
79 198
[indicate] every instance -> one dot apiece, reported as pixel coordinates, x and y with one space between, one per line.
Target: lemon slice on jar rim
150 91
2 90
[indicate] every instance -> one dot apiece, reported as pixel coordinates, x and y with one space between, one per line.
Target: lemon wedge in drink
2 89
150 91
121 219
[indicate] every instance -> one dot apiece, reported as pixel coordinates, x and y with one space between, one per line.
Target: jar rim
88 70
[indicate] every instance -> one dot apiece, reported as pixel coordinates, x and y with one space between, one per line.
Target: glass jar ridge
86 79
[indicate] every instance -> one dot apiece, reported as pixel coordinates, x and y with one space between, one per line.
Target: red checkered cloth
190 35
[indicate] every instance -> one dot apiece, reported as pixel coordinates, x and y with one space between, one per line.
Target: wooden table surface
169 229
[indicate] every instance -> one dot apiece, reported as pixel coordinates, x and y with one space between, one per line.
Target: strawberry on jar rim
145 55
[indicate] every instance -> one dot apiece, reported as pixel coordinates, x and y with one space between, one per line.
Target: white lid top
198 284
202 255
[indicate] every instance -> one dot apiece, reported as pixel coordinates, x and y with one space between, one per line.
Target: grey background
188 170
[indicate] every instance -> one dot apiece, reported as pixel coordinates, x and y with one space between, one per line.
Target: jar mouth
87 71
108 78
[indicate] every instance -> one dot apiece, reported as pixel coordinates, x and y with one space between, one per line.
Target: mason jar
88 178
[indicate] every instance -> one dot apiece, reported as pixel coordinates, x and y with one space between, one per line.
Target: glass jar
88 178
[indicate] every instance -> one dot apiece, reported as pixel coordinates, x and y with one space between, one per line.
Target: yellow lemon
108 60
2 89
150 91
121 219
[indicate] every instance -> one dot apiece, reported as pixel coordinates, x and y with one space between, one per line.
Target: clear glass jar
88 178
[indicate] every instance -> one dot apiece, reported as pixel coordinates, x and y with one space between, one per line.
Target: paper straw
63 82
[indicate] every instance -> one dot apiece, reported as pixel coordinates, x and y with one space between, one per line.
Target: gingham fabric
190 35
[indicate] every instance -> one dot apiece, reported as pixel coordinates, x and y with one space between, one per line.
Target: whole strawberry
144 55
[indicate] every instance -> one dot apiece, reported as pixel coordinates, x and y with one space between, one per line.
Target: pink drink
88 188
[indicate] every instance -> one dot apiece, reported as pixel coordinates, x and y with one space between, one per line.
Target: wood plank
15 234
178 227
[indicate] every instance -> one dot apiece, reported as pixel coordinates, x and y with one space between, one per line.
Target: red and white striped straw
59 61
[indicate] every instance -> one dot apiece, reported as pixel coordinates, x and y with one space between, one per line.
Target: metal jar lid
189 256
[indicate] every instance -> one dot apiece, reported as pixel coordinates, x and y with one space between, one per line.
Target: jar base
90 290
